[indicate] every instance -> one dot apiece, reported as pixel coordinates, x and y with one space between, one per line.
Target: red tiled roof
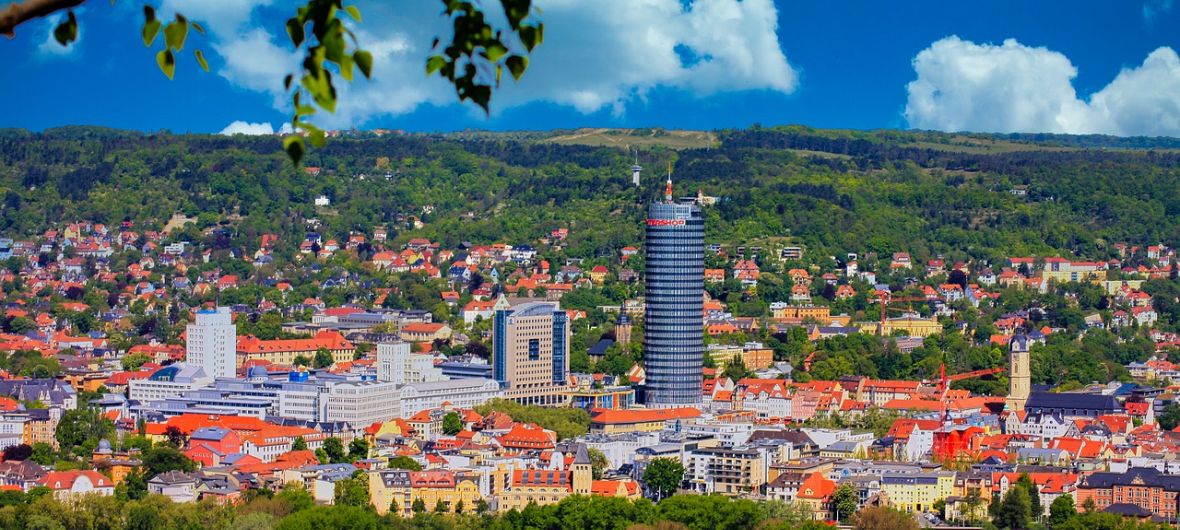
331 340
623 417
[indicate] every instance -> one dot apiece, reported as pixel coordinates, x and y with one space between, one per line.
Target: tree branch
18 13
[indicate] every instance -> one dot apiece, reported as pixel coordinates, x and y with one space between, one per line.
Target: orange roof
64 480
903 427
331 340
815 486
422 327
610 488
527 436
629 416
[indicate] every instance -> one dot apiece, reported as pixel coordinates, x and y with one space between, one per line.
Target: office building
674 341
211 342
397 364
322 397
530 352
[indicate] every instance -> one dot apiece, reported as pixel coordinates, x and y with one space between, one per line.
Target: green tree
883 518
845 501
1015 511
1170 417
163 458
335 517
452 423
352 491
663 476
133 361
1061 510
323 358
440 507
1034 495
43 453
82 428
418 506
334 448
598 462
358 449
404 462
301 360
299 444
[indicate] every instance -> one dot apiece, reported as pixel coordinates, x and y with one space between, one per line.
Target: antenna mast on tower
668 187
636 169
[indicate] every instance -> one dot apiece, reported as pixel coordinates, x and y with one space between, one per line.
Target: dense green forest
834 191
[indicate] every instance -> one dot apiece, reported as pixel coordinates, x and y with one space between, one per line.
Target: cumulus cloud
1011 87
252 129
605 54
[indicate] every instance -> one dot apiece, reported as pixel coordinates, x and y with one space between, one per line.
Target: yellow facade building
917 492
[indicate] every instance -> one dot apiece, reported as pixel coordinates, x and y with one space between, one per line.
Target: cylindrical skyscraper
673 336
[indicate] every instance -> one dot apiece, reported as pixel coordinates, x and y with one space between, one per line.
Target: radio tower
635 169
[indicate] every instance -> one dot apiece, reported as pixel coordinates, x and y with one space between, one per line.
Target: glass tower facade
674 328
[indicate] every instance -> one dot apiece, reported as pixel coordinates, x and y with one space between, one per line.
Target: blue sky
1076 66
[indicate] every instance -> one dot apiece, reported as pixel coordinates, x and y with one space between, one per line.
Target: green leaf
197 27
150 29
295 31
304 110
293 145
287 81
201 59
175 33
434 63
354 12
530 37
149 13
346 67
517 65
364 61
495 51
67 31
167 62
315 134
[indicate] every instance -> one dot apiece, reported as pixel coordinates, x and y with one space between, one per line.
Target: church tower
581 471
623 330
1018 374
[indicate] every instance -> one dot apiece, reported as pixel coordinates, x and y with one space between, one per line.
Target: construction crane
944 380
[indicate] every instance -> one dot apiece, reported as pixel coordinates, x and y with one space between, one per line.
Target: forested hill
980 196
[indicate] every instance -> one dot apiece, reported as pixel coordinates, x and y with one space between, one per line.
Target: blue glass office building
674 331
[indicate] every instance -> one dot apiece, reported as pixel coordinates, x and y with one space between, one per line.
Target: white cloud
252 129
50 48
604 54
220 15
1155 8
963 86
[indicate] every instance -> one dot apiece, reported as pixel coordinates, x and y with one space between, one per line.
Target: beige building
530 353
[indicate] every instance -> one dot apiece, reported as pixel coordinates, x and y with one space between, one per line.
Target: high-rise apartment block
211 342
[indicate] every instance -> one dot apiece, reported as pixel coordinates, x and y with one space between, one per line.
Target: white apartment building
397 364
212 341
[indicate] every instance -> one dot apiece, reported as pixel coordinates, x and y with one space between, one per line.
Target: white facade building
169 382
461 393
397 364
212 342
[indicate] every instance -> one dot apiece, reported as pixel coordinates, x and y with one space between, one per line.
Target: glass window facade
674 329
